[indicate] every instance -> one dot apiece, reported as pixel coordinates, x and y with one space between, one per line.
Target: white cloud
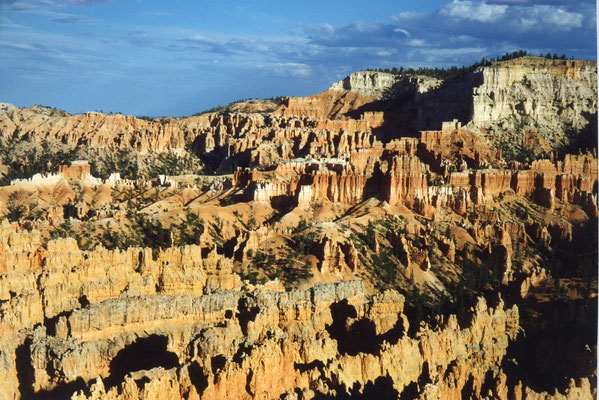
321 29
520 15
468 10
296 70
384 52
405 15
401 30
559 18
417 43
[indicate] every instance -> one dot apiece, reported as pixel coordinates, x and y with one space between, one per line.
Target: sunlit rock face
185 323
344 245
367 83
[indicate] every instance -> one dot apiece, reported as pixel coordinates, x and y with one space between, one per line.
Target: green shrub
190 230
15 211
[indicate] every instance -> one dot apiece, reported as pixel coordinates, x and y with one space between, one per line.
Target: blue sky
178 57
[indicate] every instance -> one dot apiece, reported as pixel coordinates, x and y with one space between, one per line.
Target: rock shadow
143 354
356 336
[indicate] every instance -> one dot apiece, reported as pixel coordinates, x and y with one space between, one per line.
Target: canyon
393 237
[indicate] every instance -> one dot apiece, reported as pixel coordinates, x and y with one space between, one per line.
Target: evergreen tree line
141 230
454 71
290 263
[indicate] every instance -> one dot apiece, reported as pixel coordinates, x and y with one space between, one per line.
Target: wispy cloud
67 3
20 5
47 9
474 11
287 69
68 19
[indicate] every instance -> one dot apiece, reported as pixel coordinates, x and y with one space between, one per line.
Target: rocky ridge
555 99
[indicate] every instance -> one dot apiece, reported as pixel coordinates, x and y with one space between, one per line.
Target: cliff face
367 83
530 103
374 84
328 104
552 97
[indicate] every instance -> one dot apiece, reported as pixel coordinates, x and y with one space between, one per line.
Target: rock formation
367 83
205 334
307 248
539 97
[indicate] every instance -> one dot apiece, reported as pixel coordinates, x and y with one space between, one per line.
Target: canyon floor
394 237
